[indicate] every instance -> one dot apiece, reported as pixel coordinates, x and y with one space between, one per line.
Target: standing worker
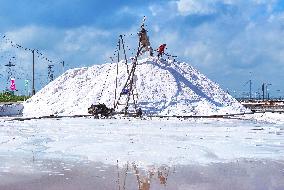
161 50
144 41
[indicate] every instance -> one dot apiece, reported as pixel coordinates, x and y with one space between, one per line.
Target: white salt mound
163 87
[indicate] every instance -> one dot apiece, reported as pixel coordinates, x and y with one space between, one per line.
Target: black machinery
100 110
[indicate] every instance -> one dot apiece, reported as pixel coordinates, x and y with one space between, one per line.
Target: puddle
70 175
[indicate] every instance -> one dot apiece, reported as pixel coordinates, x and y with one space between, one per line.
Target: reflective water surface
127 154
73 175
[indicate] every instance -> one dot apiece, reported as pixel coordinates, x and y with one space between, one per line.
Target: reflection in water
39 174
143 178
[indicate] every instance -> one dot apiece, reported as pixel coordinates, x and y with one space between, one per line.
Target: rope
125 57
103 87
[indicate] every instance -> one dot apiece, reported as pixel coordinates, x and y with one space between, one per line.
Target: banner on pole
13 85
26 83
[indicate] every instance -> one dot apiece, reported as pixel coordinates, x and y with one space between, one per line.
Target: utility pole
63 63
33 87
250 89
278 94
10 65
250 84
263 90
267 94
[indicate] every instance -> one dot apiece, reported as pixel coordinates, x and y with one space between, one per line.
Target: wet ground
83 154
86 175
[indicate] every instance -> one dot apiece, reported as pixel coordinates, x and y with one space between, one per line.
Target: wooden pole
125 57
115 91
33 88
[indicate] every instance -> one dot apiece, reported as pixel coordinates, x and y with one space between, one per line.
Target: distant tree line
10 97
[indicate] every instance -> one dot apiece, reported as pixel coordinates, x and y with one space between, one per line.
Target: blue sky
230 41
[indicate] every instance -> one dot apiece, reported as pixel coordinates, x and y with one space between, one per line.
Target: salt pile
163 87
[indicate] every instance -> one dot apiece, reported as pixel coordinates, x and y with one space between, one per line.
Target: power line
50 72
18 46
35 52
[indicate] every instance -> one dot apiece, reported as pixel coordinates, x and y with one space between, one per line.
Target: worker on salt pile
144 41
161 50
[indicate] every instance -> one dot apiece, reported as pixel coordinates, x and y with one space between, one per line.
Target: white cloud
260 1
82 38
278 17
201 52
205 7
156 28
188 7
154 9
